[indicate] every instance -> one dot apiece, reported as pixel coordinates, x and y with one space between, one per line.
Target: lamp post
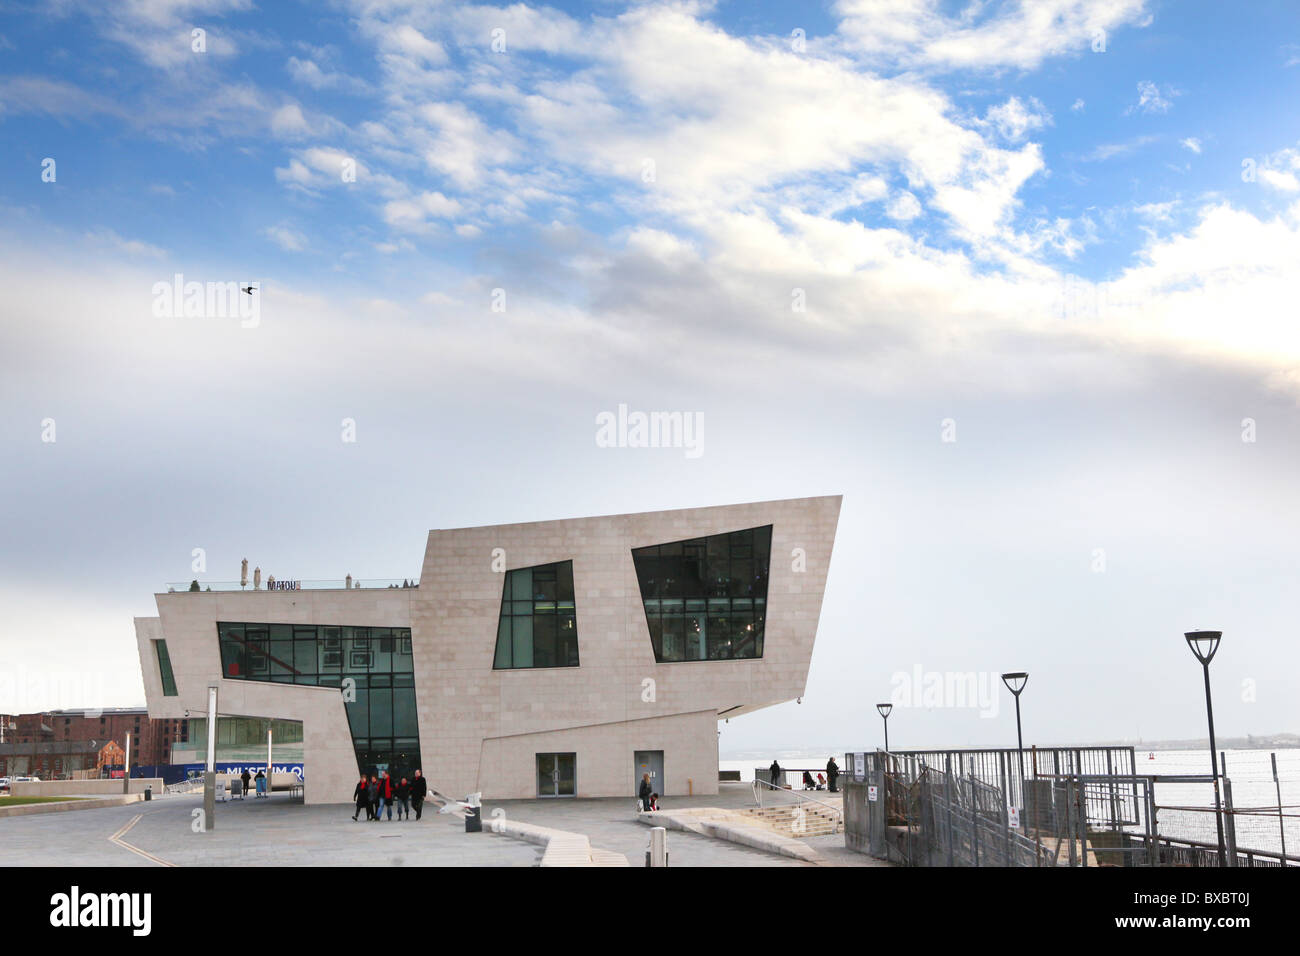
1204 645
884 712
1015 682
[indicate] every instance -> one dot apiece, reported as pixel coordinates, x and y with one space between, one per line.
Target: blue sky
1086 258
148 141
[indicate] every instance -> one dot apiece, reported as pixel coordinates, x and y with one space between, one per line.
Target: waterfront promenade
276 832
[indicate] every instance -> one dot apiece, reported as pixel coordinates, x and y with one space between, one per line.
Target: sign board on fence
1013 818
859 765
871 794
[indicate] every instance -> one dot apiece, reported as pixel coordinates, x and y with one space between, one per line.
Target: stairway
796 820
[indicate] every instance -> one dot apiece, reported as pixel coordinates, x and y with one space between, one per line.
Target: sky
1018 280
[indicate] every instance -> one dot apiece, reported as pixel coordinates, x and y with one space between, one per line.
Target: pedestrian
385 797
775 771
645 791
403 796
419 790
372 798
832 774
361 795
246 777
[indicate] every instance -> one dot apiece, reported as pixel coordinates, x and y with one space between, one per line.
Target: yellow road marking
117 840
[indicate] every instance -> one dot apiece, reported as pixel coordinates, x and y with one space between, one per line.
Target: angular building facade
554 658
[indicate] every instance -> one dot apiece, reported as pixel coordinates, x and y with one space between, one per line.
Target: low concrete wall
279 781
562 848
25 809
85 788
722 825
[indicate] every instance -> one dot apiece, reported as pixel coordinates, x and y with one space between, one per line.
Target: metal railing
761 787
1111 805
336 584
791 778
901 808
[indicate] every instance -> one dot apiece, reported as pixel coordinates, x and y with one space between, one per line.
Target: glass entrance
557 775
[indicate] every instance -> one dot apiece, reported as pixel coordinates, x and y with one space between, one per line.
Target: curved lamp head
1204 644
884 709
1015 681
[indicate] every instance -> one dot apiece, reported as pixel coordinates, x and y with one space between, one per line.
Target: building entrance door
651 762
557 775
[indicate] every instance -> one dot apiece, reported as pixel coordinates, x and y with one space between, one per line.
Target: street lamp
1204 645
884 712
1015 682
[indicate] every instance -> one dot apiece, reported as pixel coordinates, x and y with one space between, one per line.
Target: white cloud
414 214
1016 117
903 206
286 238
1153 99
916 33
1281 171
288 122
1192 143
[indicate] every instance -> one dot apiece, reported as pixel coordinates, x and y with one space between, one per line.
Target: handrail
797 793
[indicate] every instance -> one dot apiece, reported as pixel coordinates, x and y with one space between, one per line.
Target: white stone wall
477 725
480 728
187 620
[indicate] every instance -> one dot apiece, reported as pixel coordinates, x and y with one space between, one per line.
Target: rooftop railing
337 584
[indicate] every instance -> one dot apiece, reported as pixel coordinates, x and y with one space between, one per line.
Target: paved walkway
268 832
275 832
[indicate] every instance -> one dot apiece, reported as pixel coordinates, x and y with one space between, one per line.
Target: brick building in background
59 742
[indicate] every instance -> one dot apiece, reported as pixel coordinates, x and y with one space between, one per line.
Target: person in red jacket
385 796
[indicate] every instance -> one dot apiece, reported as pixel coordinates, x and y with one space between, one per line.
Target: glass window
379 662
165 669
538 626
704 598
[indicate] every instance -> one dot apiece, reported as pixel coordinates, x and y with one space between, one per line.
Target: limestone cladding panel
604 755
187 620
463 702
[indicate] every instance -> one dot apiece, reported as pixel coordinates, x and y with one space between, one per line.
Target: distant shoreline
1276 742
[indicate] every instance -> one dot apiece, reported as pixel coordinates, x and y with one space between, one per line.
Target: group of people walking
378 794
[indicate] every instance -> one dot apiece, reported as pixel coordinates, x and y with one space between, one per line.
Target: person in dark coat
246 777
361 796
775 770
402 795
832 773
372 798
419 790
644 791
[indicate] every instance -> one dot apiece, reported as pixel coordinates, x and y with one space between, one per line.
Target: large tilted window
706 598
377 662
165 669
538 626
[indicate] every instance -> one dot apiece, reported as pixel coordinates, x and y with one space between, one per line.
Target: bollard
474 815
656 853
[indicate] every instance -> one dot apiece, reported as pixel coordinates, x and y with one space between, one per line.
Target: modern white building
554 658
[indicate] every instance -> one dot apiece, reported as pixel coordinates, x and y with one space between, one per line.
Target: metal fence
973 808
901 808
1107 804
